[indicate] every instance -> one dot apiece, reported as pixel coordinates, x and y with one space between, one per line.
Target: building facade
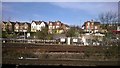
37 25
91 26
22 27
57 27
3 25
17 27
8 26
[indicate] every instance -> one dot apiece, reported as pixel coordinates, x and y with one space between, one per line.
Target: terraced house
28 29
22 27
37 25
57 27
91 26
8 26
3 25
17 26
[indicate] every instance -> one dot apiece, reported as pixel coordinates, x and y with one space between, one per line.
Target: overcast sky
72 13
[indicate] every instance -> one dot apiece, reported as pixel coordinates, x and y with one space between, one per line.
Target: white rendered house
37 25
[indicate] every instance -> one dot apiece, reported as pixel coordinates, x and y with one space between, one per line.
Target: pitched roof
54 23
13 23
4 22
85 23
36 22
21 24
39 22
65 25
95 23
46 23
17 22
58 21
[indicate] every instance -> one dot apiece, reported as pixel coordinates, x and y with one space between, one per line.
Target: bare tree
108 17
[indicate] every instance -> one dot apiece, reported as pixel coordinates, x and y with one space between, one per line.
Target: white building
37 25
118 28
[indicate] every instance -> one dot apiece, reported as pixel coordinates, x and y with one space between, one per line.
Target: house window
92 23
33 27
50 23
88 23
53 27
25 27
96 27
58 23
57 26
50 27
16 27
88 27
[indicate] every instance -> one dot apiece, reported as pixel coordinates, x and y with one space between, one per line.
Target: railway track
54 48
61 62
49 48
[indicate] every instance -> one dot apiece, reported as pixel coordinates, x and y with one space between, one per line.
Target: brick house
17 26
50 27
24 27
8 26
91 26
56 27
65 27
3 25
